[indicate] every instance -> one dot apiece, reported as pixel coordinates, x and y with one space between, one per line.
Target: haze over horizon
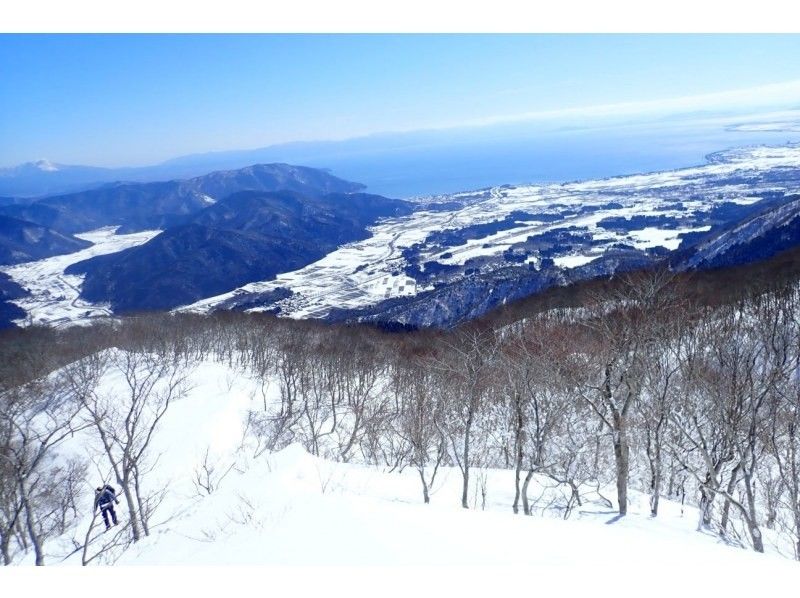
138 100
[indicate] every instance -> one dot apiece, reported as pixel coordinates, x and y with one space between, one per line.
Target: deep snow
292 508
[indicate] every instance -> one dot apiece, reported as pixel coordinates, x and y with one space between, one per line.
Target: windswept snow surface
54 296
363 273
292 508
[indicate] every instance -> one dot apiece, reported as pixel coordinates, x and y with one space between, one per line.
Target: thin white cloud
773 95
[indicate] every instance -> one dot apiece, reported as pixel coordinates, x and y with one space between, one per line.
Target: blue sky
134 100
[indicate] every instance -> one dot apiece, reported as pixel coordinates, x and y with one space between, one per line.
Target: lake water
442 165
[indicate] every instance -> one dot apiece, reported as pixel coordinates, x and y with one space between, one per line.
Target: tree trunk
796 509
87 540
143 515
7 534
621 462
707 496
752 520
30 526
671 491
755 534
132 514
518 462
35 540
726 509
526 508
5 549
655 481
465 468
425 495
21 535
575 492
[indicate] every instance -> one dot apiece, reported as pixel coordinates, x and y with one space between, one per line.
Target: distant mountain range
463 254
415 163
141 206
41 178
202 232
303 243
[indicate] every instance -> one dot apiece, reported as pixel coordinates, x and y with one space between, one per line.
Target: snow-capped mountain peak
46 165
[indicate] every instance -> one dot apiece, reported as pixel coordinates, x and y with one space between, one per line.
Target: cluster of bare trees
38 487
639 389
124 422
730 419
45 485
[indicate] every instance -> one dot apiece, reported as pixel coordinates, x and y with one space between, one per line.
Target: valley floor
55 296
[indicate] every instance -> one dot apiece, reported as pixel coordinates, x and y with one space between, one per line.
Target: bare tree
208 475
465 365
661 384
34 420
734 368
353 373
126 423
418 421
785 421
608 367
535 396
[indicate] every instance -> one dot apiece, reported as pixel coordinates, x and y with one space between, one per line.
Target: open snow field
291 508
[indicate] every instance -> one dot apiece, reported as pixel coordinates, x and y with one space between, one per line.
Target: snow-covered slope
294 508
758 237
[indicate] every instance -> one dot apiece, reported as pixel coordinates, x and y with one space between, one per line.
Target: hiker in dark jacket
105 497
